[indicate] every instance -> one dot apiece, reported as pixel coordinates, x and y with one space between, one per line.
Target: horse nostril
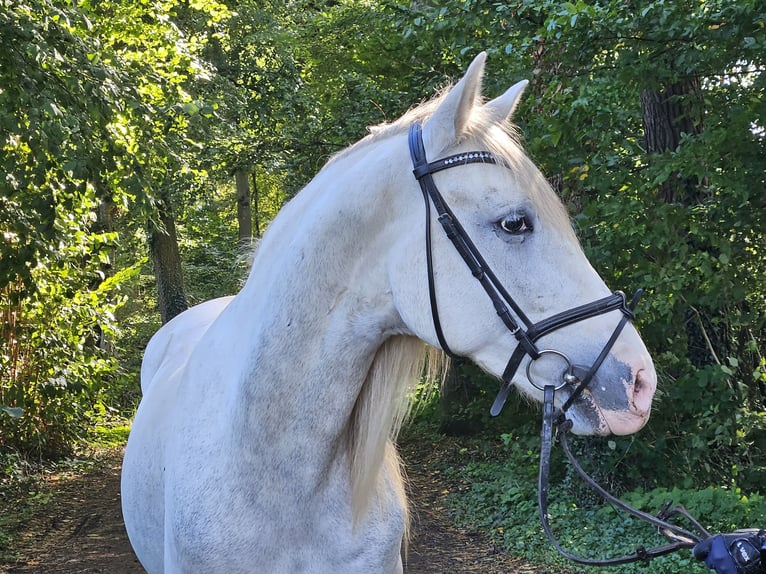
644 386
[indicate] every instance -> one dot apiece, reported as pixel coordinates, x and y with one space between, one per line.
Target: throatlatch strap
418 155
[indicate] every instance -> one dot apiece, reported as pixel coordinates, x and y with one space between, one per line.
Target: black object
679 537
526 332
738 552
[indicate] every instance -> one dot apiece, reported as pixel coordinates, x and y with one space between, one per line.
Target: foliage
211 215
701 259
298 90
499 496
119 106
55 105
56 363
110 435
95 119
699 256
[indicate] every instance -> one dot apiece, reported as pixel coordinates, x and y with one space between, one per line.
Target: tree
668 115
653 114
244 210
58 109
94 112
164 43
649 115
163 244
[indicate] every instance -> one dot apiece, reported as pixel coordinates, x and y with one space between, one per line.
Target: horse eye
516 225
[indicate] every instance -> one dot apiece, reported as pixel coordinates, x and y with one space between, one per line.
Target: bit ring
567 375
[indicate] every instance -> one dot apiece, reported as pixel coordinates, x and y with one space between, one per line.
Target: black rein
679 537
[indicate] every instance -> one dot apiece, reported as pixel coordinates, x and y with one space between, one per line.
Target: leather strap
507 309
626 316
680 537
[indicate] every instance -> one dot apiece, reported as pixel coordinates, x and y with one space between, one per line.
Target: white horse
263 443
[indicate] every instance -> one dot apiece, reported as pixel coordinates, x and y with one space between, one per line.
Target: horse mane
383 405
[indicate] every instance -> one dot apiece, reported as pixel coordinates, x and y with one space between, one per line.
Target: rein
679 537
527 335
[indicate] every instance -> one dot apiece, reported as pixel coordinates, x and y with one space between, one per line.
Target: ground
81 531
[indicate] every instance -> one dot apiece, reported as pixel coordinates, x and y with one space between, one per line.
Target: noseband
526 332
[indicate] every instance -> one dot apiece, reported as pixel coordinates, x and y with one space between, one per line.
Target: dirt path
438 546
81 531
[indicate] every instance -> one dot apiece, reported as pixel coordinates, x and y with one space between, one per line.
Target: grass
109 435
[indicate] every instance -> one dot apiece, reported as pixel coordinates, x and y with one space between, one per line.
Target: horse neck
321 264
316 307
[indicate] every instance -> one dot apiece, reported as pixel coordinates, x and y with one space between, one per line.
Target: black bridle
527 334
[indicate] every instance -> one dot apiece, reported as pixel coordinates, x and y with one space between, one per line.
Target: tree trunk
667 115
104 224
255 207
244 210
163 244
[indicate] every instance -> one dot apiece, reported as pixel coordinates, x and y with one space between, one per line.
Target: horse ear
501 108
447 123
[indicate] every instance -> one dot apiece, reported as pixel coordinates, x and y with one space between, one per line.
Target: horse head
512 222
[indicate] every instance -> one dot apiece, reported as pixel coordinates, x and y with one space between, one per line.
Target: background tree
59 109
84 124
647 115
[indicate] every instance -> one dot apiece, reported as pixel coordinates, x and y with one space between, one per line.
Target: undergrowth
498 495
496 476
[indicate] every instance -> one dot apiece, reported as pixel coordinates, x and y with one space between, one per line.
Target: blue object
719 559
742 552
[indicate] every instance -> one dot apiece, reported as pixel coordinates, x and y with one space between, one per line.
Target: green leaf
190 108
